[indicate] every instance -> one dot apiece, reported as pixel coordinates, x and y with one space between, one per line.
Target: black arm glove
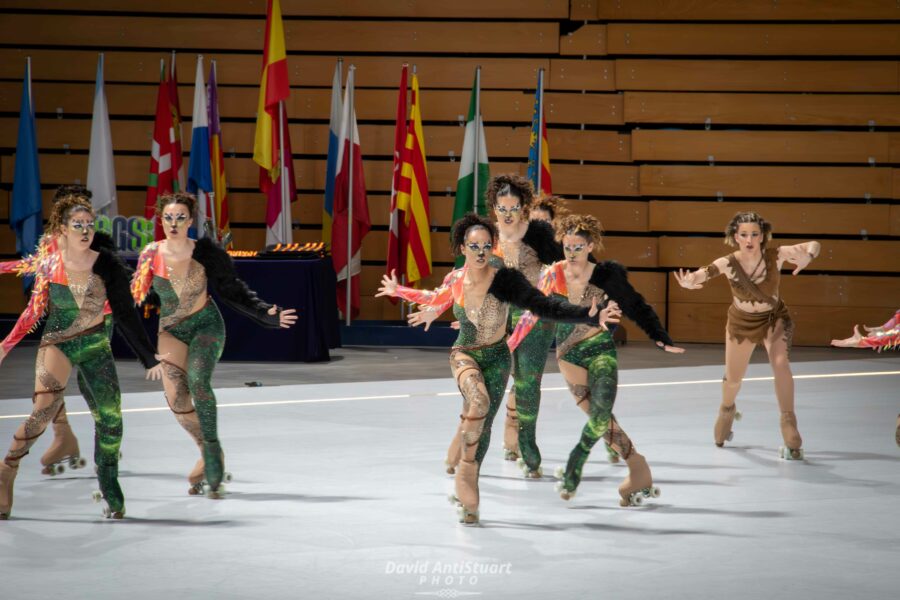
612 278
230 289
540 237
116 277
511 286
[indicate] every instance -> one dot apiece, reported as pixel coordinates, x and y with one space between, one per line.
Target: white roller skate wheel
227 477
802 455
559 472
80 464
636 499
738 415
56 470
654 492
97 496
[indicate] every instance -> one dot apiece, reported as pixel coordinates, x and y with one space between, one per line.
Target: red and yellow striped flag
412 198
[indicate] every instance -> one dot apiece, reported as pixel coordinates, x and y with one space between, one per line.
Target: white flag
101 177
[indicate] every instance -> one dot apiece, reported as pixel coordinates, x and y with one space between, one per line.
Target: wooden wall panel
594 75
762 146
752 40
763 109
794 218
476 9
757 75
769 182
741 10
589 40
446 37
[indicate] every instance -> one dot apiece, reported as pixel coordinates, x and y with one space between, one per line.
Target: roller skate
792 441
62 451
466 497
528 471
570 477
7 479
110 491
195 478
722 431
511 434
639 483
214 469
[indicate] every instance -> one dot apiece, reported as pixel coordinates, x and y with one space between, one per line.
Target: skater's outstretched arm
234 292
437 300
799 254
510 285
694 280
612 278
540 237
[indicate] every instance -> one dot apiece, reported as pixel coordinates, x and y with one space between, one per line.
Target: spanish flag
272 145
539 147
412 198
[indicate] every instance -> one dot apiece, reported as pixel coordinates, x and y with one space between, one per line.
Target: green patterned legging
481 374
529 359
597 355
204 334
91 355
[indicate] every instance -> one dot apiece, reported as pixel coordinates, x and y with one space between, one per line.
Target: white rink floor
339 492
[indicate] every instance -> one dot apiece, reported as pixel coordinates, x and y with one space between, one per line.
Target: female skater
548 208
191 329
757 315
587 354
72 286
480 360
63 450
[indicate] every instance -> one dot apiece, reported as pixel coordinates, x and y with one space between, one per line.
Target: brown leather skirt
758 327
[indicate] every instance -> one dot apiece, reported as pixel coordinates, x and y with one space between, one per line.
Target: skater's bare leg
737 358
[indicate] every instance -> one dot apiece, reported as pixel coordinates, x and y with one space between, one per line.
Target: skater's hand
287 317
876 329
388 285
850 342
156 373
672 349
454 325
610 314
422 317
2 355
801 260
687 280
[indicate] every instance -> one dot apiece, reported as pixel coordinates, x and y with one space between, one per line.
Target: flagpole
477 136
404 305
350 142
212 194
282 181
540 132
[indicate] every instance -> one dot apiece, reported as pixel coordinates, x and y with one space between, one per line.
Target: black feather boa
612 278
511 286
539 236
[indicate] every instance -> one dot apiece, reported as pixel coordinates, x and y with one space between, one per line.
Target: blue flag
200 169
26 218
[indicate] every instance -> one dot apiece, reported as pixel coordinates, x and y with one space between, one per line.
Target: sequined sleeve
28 264
37 304
12 266
437 300
142 279
886 339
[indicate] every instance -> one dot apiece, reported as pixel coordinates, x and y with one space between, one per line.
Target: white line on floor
544 389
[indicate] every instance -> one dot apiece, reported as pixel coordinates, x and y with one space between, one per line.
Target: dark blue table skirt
306 285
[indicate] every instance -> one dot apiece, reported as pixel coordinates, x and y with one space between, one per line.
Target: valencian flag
349 198
161 180
272 145
25 215
539 147
334 125
177 146
217 160
412 199
395 254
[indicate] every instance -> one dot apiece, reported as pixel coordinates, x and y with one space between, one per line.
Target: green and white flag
466 199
